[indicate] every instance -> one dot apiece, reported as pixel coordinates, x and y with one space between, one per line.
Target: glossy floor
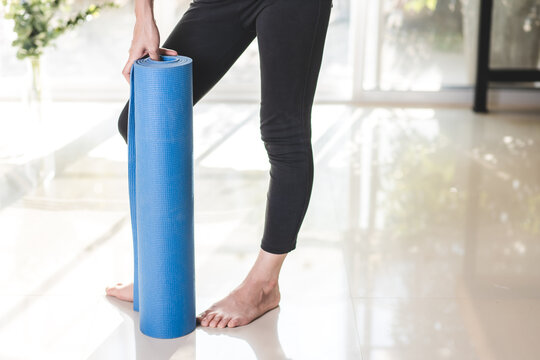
422 241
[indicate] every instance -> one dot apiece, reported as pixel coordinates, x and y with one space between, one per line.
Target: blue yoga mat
160 176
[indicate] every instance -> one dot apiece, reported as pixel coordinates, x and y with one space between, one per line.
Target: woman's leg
291 36
213 35
291 48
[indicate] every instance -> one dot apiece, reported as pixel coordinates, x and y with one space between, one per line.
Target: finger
127 69
126 76
154 55
132 58
165 51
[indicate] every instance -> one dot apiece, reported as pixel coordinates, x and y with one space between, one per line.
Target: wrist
144 13
145 18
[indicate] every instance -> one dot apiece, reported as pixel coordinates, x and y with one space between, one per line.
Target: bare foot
244 304
121 291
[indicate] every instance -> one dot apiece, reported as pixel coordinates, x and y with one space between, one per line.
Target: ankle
267 283
271 284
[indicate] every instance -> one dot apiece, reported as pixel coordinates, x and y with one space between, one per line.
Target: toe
233 323
215 320
113 287
207 319
201 316
224 321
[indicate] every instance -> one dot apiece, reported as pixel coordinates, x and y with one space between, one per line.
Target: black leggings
291 35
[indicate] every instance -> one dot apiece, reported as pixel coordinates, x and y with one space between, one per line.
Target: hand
145 42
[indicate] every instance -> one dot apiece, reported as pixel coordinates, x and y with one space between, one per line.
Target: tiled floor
422 241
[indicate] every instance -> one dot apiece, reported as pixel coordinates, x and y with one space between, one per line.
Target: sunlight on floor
421 242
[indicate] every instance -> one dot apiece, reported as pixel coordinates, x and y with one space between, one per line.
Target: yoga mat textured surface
160 176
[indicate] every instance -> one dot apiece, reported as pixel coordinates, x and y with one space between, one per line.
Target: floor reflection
444 215
261 336
128 341
422 241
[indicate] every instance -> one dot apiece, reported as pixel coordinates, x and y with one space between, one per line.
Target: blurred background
405 46
422 239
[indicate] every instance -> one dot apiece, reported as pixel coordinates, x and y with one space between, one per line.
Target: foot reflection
122 344
261 335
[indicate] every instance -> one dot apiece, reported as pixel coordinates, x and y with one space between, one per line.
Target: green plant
38 22
418 5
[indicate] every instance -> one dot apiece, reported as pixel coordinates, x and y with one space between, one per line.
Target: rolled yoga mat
160 176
